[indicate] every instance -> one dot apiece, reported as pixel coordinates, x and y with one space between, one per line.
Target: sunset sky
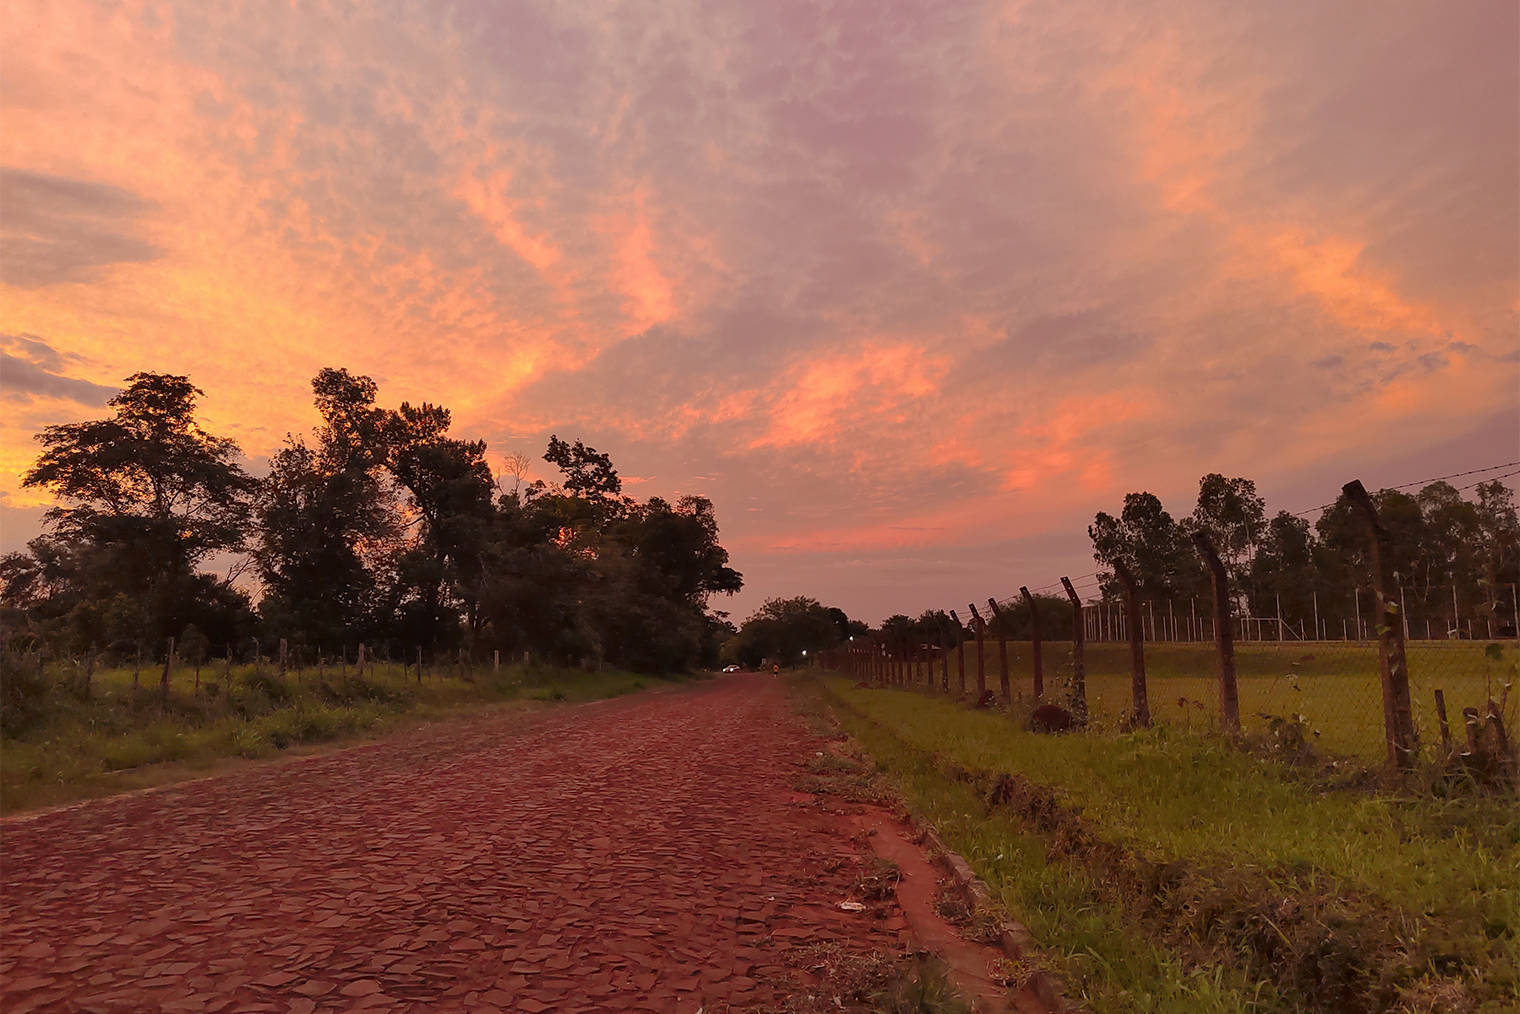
909 289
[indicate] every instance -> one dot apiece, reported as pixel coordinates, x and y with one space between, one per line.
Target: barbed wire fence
1379 674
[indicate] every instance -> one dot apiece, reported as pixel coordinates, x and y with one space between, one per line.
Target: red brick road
641 854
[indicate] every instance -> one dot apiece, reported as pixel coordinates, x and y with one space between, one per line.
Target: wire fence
1393 680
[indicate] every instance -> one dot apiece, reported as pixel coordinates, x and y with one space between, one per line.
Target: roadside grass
1334 685
1425 877
120 738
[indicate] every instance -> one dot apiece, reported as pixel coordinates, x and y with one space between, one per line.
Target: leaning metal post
981 652
1034 643
1004 684
960 651
1142 706
1224 637
1398 719
1078 657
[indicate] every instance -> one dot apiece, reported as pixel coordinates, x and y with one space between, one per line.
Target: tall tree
327 520
148 481
449 487
144 497
1235 519
1150 543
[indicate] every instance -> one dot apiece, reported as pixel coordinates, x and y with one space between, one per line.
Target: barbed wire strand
1438 478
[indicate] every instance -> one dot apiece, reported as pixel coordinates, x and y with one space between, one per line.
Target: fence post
1035 648
1445 725
981 651
960 651
944 647
1078 657
1229 695
1141 704
1005 685
1398 720
168 665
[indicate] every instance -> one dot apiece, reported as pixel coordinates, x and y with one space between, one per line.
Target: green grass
1334 684
1173 794
121 738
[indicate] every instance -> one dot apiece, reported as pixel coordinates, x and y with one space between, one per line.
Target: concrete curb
1015 940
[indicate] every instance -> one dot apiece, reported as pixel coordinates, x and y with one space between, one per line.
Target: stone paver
642 854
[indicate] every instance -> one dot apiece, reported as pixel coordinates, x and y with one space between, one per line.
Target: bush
23 690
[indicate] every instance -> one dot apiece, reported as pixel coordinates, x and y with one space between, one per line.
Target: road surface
646 853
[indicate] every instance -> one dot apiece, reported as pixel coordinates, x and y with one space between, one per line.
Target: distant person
775 668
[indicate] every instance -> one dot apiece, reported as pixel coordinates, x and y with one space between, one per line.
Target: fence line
1291 678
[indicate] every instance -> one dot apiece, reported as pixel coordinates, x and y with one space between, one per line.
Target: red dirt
642 854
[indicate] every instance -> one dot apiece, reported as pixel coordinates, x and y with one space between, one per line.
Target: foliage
142 498
1127 824
1437 540
781 630
382 529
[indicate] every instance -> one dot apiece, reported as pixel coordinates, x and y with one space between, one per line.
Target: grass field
1334 685
121 738
1429 884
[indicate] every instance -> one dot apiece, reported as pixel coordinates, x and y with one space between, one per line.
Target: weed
1176 868
119 737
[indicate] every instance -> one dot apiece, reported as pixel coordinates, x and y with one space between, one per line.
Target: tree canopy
1438 540
379 527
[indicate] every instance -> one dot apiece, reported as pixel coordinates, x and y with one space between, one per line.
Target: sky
909 289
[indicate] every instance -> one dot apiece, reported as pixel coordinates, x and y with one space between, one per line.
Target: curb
1015 940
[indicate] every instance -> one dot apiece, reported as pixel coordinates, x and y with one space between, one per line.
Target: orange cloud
822 395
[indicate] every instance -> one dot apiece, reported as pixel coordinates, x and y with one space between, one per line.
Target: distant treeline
1455 561
381 529
1453 558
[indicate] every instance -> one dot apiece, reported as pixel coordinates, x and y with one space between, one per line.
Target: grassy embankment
1168 871
1334 685
120 738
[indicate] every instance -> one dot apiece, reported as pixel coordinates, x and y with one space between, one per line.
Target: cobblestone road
640 854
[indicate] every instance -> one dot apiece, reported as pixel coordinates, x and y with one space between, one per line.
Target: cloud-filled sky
909 289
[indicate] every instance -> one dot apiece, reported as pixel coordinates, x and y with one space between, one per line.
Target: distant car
730 668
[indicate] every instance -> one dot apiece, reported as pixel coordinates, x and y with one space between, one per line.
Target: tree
1150 543
449 487
782 629
1285 572
148 482
327 520
588 474
679 545
144 497
1498 542
1235 519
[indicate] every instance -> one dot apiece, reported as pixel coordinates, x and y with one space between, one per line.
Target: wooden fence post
960 651
1398 718
1078 657
1445 725
1034 638
1005 682
1140 702
168 665
1229 695
981 652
